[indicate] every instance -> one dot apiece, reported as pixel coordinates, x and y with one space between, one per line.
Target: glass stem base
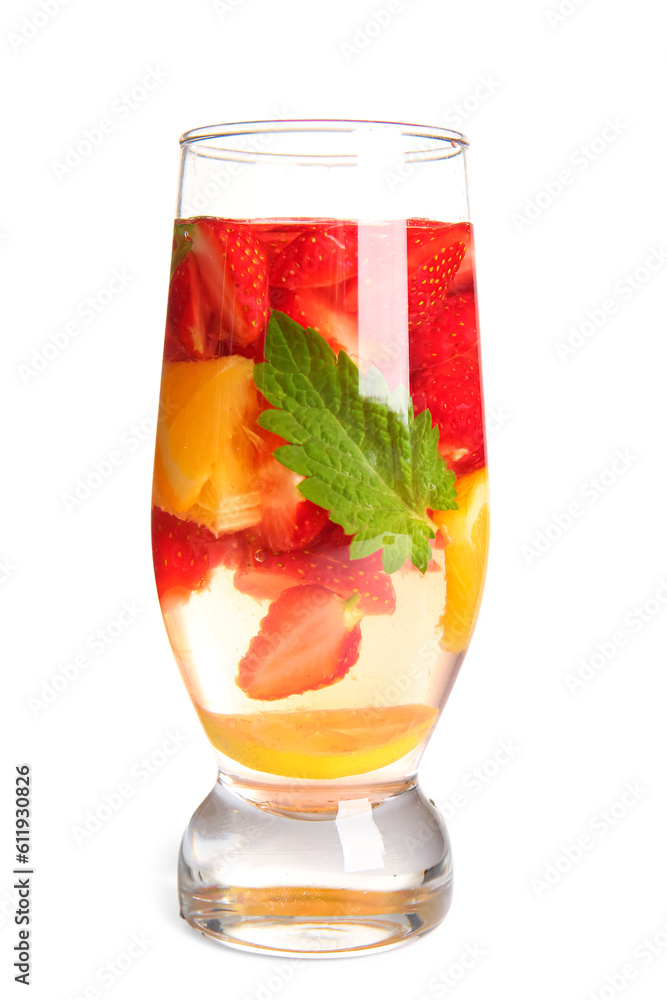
315 878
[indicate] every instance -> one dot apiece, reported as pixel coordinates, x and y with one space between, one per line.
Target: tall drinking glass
319 519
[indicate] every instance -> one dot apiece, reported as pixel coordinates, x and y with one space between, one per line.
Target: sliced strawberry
273 239
423 238
234 271
434 257
310 519
185 553
318 256
265 574
464 279
180 553
451 391
188 313
218 297
453 332
174 350
287 527
308 640
349 295
317 309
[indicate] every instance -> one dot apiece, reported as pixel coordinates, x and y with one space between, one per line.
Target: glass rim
446 142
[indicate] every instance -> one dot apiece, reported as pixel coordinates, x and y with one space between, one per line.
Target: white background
534 94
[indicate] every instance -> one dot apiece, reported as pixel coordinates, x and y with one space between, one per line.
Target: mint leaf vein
376 473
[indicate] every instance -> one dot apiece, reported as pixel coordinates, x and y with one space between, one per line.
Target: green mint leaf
365 457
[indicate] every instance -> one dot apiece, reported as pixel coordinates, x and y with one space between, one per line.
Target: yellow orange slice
466 532
329 743
207 443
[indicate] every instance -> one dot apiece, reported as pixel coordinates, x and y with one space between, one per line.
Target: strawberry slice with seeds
234 272
451 391
180 553
308 640
317 309
434 257
286 527
188 313
273 240
453 332
464 279
317 257
310 520
185 553
218 296
265 574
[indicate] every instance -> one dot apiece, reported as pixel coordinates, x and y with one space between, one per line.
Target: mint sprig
373 465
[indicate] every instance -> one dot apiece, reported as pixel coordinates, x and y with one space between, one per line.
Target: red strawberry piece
322 256
218 297
188 313
422 236
234 272
310 519
453 332
464 279
321 311
287 527
308 640
265 574
185 553
434 257
273 240
180 552
174 350
349 295
451 391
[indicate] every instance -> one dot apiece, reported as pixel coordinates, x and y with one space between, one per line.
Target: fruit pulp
307 653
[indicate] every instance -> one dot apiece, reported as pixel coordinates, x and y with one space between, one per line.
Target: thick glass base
315 873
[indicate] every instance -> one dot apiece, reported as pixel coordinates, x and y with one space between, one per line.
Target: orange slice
329 743
466 532
208 447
